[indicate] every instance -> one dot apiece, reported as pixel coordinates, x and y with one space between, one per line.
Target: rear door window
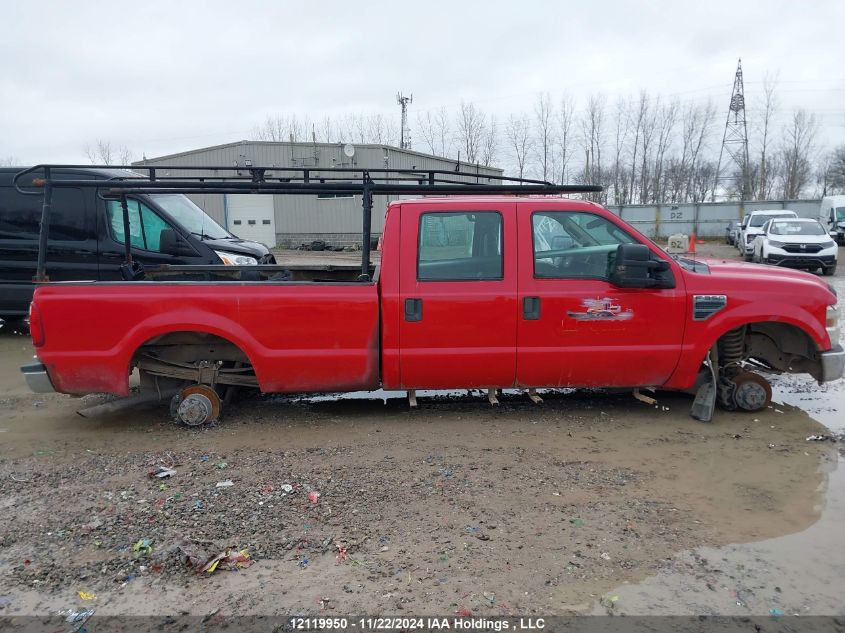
460 246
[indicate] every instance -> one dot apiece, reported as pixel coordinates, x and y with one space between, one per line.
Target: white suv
752 226
796 243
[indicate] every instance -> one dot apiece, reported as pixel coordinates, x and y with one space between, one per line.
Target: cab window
145 226
460 246
574 245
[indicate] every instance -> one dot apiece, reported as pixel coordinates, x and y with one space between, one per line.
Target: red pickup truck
471 292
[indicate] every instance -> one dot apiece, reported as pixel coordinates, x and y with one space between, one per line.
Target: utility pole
405 131
734 143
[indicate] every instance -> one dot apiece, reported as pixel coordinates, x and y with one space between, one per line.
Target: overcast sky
163 77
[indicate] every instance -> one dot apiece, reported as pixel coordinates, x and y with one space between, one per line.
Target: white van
832 217
752 226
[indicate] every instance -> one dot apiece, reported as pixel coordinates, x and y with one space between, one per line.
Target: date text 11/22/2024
460 623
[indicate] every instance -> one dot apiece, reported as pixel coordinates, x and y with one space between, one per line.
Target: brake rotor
196 405
752 392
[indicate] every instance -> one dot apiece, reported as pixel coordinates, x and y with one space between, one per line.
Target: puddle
796 574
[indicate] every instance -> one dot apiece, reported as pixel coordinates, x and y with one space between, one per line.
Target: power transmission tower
734 143
405 131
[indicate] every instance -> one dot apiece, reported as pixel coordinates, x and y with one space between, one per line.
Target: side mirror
634 268
171 243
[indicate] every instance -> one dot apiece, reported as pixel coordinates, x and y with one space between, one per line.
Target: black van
86 235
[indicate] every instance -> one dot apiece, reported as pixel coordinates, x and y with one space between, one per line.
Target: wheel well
176 359
190 346
773 345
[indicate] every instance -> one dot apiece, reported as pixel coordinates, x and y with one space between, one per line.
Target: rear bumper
37 378
833 364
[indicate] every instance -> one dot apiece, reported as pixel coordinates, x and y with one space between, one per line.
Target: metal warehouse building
288 220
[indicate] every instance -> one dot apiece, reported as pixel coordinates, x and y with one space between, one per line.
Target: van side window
20 215
460 246
145 226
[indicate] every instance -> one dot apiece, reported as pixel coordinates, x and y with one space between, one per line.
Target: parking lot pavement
360 505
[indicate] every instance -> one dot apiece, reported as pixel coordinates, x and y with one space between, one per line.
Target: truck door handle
413 309
531 308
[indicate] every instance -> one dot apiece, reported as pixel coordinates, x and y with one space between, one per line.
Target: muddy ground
586 503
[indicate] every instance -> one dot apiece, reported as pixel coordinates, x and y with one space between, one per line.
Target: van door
457 283
145 227
575 328
71 249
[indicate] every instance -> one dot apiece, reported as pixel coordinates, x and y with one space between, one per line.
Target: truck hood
761 273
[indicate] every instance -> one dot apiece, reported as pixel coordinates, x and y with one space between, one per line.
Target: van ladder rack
275 181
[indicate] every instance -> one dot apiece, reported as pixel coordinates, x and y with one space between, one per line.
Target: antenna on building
734 143
405 131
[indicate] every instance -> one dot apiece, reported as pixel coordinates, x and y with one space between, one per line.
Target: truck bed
298 336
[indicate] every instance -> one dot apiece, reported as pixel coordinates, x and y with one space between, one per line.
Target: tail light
36 327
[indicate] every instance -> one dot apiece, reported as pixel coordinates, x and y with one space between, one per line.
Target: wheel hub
196 405
753 392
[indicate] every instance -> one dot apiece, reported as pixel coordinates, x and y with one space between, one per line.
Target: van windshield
190 216
760 220
840 214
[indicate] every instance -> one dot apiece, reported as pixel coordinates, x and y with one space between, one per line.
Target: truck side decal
604 309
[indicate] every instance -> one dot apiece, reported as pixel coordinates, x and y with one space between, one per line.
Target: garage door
251 217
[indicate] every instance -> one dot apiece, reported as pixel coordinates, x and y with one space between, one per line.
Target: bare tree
640 116
9 161
565 116
471 125
666 120
490 143
518 135
426 130
649 126
380 130
622 122
767 112
544 133
103 152
835 173
326 131
592 139
796 152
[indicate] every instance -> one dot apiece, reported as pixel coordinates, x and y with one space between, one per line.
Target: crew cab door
575 328
457 295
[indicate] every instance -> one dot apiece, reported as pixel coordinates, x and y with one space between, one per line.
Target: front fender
703 335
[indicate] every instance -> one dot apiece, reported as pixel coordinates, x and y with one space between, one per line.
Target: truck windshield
797 228
190 216
760 220
840 214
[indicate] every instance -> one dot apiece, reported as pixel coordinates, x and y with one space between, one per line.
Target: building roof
242 143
